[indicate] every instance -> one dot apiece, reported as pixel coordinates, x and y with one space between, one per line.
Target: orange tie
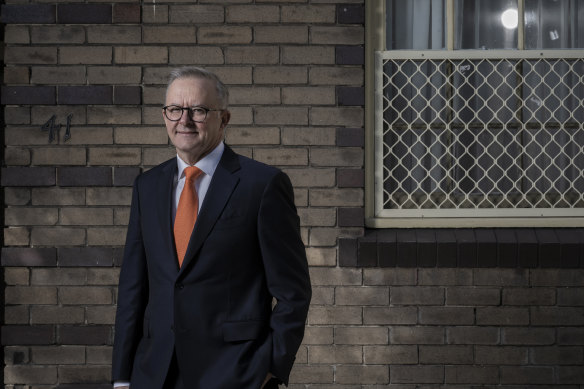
186 213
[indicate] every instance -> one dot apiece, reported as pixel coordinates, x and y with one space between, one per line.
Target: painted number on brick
53 129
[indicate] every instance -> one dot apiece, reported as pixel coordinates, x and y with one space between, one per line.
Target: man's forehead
192 87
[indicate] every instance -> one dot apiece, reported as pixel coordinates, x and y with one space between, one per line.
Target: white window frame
375 215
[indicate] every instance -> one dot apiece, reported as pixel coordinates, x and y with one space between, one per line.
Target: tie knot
192 172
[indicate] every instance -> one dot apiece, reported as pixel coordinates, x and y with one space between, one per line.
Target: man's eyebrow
190 106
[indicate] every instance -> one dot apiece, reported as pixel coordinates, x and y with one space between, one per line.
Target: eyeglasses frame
190 110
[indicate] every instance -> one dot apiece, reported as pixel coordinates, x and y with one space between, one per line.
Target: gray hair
196 72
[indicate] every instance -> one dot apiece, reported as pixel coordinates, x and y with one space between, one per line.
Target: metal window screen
479 134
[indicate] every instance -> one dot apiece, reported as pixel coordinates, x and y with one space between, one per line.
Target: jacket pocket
237 331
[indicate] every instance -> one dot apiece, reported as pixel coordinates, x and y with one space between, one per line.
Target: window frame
375 14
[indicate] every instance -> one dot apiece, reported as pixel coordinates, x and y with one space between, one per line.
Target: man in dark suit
195 309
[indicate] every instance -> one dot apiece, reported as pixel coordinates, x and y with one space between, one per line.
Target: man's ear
225 117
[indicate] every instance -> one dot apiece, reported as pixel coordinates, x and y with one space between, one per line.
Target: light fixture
510 18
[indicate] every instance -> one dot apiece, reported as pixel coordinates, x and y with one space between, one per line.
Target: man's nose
185 118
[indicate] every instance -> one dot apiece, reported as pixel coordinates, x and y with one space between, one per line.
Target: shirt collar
207 164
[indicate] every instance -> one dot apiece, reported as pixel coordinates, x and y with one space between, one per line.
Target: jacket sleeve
132 296
286 268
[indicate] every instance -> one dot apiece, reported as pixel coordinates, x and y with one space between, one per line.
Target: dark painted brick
85 95
527 336
85 256
526 375
406 248
126 13
25 95
28 176
28 335
506 247
570 375
351 14
118 256
350 55
548 245
347 252
467 247
571 241
84 176
351 217
85 335
128 95
350 95
486 248
84 13
350 178
27 256
28 14
570 336
472 248
350 137
446 248
387 248
571 297
367 251
426 239
125 176
527 248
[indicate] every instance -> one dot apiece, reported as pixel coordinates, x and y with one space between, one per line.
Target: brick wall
296 73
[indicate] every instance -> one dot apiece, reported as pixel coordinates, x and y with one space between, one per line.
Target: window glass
554 24
485 24
416 24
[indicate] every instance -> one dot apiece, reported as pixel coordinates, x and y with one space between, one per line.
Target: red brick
28 335
126 13
127 95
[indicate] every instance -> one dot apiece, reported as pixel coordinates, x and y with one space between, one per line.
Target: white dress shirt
207 164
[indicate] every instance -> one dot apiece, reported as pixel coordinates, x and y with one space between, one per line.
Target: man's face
194 140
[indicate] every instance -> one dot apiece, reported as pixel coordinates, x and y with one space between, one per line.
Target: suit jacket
216 311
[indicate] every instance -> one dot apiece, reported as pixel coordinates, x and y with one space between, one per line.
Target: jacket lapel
164 209
218 194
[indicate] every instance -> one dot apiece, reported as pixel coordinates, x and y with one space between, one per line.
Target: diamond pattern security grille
475 134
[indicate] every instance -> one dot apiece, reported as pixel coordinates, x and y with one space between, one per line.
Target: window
478 113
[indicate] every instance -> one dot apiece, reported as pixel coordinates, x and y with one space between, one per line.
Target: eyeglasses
196 114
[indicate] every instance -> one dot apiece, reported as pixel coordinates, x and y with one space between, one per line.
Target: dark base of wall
505 247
